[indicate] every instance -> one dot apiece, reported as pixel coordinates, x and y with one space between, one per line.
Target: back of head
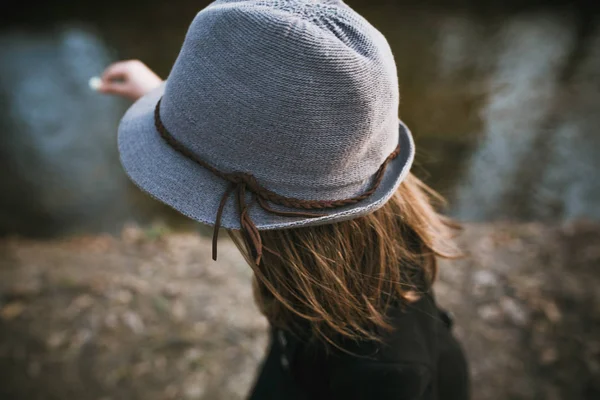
339 279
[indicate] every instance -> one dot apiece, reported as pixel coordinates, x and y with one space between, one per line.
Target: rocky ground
149 316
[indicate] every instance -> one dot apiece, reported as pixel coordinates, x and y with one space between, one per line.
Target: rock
12 310
134 322
514 311
490 312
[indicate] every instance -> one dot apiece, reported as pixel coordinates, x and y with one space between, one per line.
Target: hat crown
301 94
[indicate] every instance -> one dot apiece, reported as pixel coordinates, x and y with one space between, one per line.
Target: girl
279 123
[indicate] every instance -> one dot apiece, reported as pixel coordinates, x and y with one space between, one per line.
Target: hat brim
179 182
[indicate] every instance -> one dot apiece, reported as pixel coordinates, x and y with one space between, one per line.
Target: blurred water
58 164
537 157
504 110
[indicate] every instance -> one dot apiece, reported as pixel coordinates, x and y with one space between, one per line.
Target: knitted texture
300 94
242 181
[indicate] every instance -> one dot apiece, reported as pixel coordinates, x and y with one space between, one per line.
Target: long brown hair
339 279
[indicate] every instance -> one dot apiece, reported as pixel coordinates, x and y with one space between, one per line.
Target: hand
131 79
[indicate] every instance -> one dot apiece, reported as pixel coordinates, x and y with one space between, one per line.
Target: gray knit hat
294 100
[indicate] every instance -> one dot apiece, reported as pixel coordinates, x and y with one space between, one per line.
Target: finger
117 88
117 71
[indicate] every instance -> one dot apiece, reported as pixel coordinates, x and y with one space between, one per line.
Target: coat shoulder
376 380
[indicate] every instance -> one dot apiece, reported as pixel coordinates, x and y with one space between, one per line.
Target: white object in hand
95 83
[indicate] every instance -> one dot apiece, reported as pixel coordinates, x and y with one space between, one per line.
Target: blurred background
105 294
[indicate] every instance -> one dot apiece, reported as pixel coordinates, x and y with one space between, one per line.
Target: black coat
420 360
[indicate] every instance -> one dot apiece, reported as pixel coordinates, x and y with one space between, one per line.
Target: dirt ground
150 316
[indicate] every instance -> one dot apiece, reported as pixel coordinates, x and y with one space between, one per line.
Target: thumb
111 86
116 88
